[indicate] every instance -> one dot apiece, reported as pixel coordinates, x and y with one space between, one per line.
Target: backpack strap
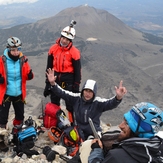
70 117
4 59
23 60
5 64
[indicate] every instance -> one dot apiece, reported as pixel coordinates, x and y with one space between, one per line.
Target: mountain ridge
117 53
143 15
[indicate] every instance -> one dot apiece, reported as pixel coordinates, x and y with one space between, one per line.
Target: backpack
62 120
56 131
71 140
54 134
24 138
24 132
49 118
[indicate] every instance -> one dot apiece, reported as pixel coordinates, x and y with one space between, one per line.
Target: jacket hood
142 149
90 84
6 51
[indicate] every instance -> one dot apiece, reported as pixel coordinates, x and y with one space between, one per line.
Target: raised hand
120 91
50 76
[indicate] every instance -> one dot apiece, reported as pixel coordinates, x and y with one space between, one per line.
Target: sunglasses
15 49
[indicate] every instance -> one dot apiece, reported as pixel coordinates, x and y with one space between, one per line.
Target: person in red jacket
64 58
14 72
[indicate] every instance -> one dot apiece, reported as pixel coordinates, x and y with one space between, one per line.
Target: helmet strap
137 129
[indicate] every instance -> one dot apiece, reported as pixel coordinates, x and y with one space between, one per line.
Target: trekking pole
63 157
42 110
93 128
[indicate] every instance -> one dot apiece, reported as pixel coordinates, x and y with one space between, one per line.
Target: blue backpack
26 134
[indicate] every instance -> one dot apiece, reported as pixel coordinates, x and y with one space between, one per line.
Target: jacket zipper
63 63
85 115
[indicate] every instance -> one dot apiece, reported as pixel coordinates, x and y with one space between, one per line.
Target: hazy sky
5 2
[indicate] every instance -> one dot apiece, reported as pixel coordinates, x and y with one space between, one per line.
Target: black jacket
133 150
85 109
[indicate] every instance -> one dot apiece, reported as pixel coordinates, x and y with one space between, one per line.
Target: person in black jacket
137 142
86 104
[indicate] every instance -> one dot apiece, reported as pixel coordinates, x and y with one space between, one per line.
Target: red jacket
65 60
25 69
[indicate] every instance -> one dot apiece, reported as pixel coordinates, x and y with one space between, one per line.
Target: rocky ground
33 108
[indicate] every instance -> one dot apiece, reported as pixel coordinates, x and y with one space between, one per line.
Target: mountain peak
91 22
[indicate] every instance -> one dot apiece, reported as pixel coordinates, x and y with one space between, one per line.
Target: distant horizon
144 15
119 53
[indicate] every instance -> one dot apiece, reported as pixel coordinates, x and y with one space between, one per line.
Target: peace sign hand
120 91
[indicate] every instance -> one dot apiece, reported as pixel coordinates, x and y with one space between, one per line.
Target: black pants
18 106
56 100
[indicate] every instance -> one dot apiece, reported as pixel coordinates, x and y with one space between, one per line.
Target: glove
47 90
95 145
75 87
1 79
30 75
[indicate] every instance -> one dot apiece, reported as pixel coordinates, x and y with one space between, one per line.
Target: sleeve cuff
117 99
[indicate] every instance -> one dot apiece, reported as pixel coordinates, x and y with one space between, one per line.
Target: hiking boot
3 147
2 125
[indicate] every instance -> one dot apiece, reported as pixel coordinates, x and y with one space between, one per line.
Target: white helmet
69 31
13 42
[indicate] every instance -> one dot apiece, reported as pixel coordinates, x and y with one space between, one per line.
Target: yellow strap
7 99
63 85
